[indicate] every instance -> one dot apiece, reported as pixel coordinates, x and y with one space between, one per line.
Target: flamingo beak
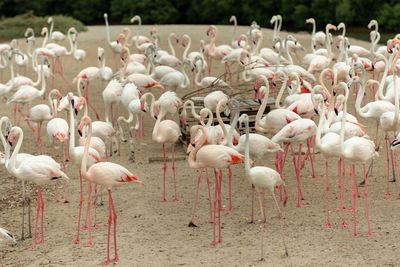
79 132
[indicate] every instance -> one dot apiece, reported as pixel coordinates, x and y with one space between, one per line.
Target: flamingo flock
309 115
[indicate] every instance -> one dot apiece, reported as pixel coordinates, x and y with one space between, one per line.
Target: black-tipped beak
259 101
9 142
290 87
155 117
99 58
315 46
333 82
117 41
351 76
73 102
336 111
274 84
76 111
373 66
334 93
325 100
80 132
316 111
394 144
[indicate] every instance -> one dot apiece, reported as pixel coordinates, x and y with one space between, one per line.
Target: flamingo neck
192 163
262 109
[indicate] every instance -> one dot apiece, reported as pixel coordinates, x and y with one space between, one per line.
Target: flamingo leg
87 100
23 210
341 187
354 200
109 230
95 225
37 219
42 207
191 223
263 220
366 202
90 243
165 169
219 207
282 228
213 243
309 144
387 170
209 195
328 224
230 189
80 211
115 227
252 203
173 171
297 170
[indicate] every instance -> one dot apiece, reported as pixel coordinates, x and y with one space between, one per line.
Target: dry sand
152 233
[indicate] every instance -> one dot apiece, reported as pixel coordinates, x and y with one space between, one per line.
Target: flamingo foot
76 241
66 201
33 244
230 209
344 224
176 200
328 224
57 200
398 196
368 234
90 244
387 194
301 206
341 208
212 245
106 262
317 176
96 225
84 227
192 224
163 200
353 235
351 210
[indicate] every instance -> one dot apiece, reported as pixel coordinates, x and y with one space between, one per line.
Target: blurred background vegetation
355 13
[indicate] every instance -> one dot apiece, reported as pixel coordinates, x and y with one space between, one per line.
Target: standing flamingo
166 132
55 35
38 169
263 178
216 157
109 175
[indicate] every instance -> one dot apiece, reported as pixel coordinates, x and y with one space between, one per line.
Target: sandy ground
152 233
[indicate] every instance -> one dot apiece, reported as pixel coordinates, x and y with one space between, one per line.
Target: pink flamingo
263 178
39 169
166 132
111 97
216 157
58 128
356 149
109 175
41 113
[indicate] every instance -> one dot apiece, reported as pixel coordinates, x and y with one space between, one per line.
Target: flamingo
58 128
316 37
76 153
156 72
216 157
357 149
175 79
116 46
218 52
139 39
166 59
6 236
111 97
27 93
263 178
88 74
79 54
41 113
234 42
38 169
21 60
105 73
109 175
166 132
55 35
319 62
329 146
207 81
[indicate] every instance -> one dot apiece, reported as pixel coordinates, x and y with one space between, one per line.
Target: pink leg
341 185
366 202
209 196
173 171
387 173
213 243
309 141
37 219
165 169
219 208
87 100
109 229
230 189
354 199
95 225
42 207
80 211
297 170
90 243
328 224
252 204
191 223
115 227
142 121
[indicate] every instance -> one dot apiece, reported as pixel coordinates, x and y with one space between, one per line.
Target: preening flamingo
109 175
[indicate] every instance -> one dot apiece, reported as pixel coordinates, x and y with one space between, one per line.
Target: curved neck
262 108
359 99
107 31
234 28
51 27
197 77
16 149
221 123
328 45
155 135
396 101
286 51
43 89
313 36
46 36
279 97
187 47
3 140
185 83
247 149
50 98
321 124
229 141
71 127
259 43
384 75
71 45
170 44
86 151
192 163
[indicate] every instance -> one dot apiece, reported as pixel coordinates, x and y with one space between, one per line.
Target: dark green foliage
355 13
15 27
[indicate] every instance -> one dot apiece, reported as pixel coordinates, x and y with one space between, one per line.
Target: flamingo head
310 20
232 18
153 31
120 36
44 31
